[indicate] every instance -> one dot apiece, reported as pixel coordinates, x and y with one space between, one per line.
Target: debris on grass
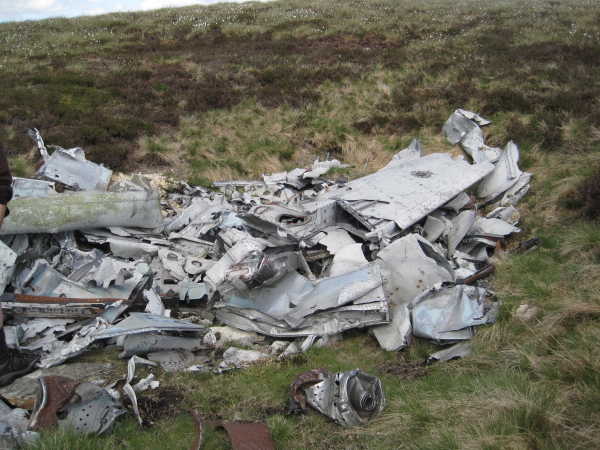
285 263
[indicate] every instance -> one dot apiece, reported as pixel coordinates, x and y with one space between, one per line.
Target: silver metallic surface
350 398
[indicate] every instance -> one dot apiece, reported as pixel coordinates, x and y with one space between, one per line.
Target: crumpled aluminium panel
450 315
407 271
25 187
44 280
326 323
71 168
143 322
7 267
506 173
463 128
144 343
336 239
241 261
290 223
292 298
408 192
460 123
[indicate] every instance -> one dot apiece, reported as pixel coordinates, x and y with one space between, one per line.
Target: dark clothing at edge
6 191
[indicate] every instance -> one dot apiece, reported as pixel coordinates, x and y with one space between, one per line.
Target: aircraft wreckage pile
295 256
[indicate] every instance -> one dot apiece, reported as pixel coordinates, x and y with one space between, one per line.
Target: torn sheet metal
247 254
191 291
130 248
457 124
458 202
293 297
461 225
413 151
295 178
194 265
26 187
408 192
509 214
450 315
322 167
80 342
407 271
30 329
505 174
144 322
349 259
95 269
7 265
463 128
44 280
196 207
203 223
434 228
154 304
476 249
483 226
350 398
336 239
123 247
326 323
80 210
149 342
128 389
456 351
71 168
173 262
409 266
513 195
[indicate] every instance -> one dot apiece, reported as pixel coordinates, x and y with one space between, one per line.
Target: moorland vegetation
231 91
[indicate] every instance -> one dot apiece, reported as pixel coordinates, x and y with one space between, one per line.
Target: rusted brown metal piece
307 379
48 307
199 430
245 436
485 272
249 436
53 392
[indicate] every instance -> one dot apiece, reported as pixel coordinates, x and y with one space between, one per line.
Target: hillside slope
231 91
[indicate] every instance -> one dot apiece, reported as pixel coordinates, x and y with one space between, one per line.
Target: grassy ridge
335 73
235 90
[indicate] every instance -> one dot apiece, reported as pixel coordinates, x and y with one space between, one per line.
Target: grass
231 91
